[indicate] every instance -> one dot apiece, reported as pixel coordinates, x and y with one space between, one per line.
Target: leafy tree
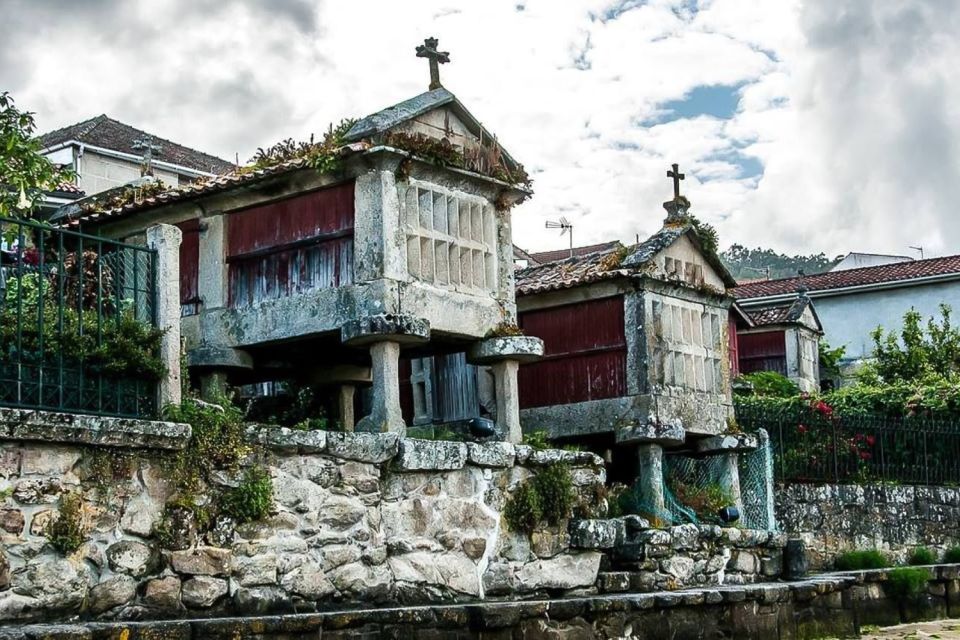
746 263
24 172
916 353
830 358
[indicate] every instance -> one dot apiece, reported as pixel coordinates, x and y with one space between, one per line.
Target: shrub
536 439
858 560
770 383
922 555
65 532
252 498
906 582
554 488
522 510
952 555
706 501
217 441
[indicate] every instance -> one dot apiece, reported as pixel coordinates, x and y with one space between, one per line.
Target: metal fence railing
817 447
77 322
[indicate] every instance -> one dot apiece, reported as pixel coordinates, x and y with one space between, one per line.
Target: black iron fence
77 322
818 446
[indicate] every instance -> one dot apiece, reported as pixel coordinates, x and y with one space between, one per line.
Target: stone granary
782 337
328 260
636 348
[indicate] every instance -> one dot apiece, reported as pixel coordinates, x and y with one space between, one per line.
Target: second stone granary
327 265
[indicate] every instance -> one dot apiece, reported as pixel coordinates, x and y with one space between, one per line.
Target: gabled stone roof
666 236
104 131
901 272
790 312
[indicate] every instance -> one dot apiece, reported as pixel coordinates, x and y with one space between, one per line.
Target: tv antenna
564 225
920 249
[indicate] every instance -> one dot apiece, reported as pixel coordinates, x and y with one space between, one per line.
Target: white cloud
848 107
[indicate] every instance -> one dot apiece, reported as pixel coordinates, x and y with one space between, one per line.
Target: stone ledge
430 455
288 440
662 433
73 428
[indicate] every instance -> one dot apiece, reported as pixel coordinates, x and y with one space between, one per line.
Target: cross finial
677 177
146 143
429 50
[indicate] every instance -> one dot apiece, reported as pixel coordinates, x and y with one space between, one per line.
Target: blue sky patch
718 101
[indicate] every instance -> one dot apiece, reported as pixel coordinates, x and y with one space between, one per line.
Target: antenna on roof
564 225
920 249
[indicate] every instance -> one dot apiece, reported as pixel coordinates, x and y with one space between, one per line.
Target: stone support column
728 448
165 239
345 402
383 335
212 266
504 356
650 474
650 438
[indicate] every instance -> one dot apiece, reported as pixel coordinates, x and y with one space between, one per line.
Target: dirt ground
943 629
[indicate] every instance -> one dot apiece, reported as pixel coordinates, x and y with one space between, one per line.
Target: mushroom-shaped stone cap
663 433
728 443
387 327
516 348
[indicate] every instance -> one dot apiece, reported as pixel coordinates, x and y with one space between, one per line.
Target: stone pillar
504 356
729 447
508 399
383 335
385 414
650 475
212 267
650 437
345 402
165 240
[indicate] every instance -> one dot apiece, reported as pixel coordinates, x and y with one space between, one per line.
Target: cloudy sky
802 126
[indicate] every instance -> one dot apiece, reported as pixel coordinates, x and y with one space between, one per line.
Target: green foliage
771 383
709 239
323 156
554 486
548 496
252 499
705 501
106 466
217 442
536 439
917 354
505 330
522 510
952 556
830 358
299 406
922 555
24 172
859 560
65 532
906 583
748 264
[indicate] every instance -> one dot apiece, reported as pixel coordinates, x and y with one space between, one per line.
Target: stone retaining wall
832 519
357 518
831 606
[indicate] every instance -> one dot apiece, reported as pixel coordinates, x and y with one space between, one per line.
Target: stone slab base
835 605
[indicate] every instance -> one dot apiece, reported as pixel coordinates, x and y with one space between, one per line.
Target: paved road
942 629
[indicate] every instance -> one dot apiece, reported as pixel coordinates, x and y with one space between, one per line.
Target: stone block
373 448
430 455
111 593
596 534
289 440
202 561
491 454
163 593
201 592
49 426
728 443
560 572
12 521
654 432
133 557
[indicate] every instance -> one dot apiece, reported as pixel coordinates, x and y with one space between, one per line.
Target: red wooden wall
585 353
190 267
291 246
765 351
733 342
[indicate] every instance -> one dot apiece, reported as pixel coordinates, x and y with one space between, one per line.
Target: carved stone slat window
451 239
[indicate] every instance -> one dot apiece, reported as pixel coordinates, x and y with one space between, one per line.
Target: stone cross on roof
146 143
429 50
677 177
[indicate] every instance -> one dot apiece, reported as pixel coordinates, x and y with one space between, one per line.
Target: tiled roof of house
897 272
68 187
543 257
103 131
570 272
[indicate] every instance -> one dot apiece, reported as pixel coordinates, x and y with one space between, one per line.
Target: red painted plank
734 346
189 267
765 351
585 353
